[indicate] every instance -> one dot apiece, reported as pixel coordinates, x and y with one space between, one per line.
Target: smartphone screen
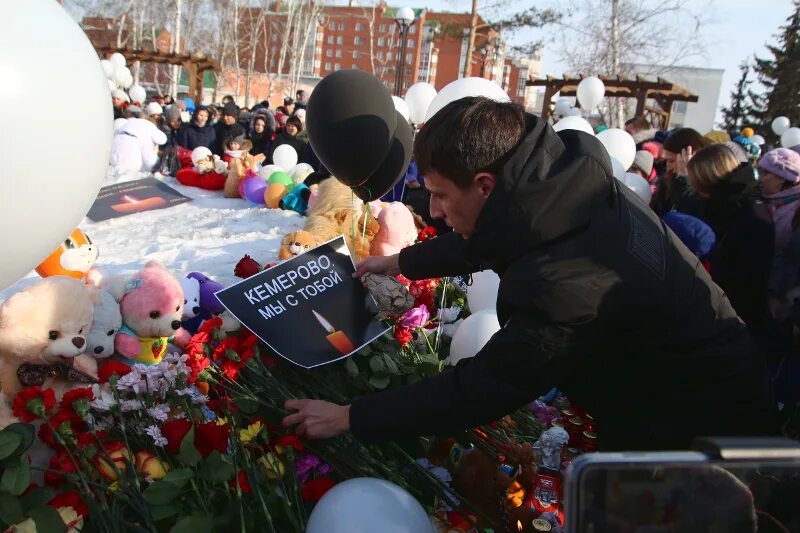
686 497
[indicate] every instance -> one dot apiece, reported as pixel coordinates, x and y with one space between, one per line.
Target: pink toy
397 230
151 303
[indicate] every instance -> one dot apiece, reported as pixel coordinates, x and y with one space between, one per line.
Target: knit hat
134 110
288 101
231 110
782 162
717 137
154 109
644 162
119 93
171 112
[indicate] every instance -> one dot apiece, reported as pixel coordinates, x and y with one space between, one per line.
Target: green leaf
351 367
17 478
391 366
189 454
36 497
376 364
160 512
215 469
9 442
193 524
26 431
10 509
248 407
179 477
161 493
48 519
379 382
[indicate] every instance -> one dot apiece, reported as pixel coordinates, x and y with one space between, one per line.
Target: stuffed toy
397 230
43 331
106 322
337 211
210 306
151 303
191 297
135 146
208 172
238 167
74 257
295 243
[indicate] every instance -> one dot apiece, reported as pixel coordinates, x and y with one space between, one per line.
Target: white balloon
482 294
590 92
790 137
120 74
267 170
137 94
300 172
617 170
401 106
108 67
574 112
759 140
466 87
473 333
619 145
563 105
418 98
42 211
368 505
285 156
574 123
639 185
118 59
128 81
112 85
780 125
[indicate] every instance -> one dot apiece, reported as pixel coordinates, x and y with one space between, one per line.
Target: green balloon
282 178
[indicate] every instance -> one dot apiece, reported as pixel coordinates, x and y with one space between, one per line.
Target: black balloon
393 167
351 121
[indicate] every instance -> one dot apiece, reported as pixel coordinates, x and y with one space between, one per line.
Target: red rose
110 368
67 425
70 499
403 335
174 431
211 436
315 489
289 441
59 465
246 267
210 325
32 403
241 479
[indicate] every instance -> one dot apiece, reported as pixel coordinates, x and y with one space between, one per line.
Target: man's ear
485 182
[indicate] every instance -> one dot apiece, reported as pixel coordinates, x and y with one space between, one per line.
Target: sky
740 29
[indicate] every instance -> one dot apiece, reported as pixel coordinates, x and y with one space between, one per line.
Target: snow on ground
209 235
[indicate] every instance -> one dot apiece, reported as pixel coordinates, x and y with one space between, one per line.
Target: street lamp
404 17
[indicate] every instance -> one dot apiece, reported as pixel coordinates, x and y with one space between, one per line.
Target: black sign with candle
308 309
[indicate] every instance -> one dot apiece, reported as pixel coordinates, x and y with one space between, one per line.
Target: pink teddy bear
397 230
151 304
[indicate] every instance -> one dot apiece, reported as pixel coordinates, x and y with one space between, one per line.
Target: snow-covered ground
209 235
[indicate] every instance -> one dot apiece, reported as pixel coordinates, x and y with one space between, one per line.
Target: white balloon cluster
476 330
790 136
466 87
621 149
418 99
118 75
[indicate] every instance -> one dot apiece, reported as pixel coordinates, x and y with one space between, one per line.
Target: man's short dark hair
468 136
227 98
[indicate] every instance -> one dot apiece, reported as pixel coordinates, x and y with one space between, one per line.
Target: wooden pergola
196 65
662 91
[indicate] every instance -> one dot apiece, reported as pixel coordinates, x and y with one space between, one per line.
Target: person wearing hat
596 298
119 99
155 114
227 128
133 111
643 165
172 125
290 136
288 104
198 131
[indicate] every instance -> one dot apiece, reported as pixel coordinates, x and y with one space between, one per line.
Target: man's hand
317 419
389 265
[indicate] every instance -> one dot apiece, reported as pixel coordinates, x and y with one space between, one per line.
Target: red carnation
210 325
246 267
110 368
241 479
315 489
429 232
70 499
174 431
403 335
289 441
228 343
78 400
211 436
32 403
59 465
67 425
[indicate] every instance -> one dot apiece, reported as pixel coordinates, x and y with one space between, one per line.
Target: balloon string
440 325
353 223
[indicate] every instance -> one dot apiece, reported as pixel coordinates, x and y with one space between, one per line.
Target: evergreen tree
780 76
737 115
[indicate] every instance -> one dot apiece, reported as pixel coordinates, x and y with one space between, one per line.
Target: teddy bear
135 146
43 331
237 168
208 171
337 211
397 230
151 304
191 298
295 243
210 305
106 321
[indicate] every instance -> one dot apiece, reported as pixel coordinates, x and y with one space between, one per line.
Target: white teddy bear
135 146
191 297
106 322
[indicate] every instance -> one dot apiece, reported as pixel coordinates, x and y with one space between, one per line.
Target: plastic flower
250 432
32 403
415 317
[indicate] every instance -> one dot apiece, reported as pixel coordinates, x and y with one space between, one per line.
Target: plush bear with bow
397 230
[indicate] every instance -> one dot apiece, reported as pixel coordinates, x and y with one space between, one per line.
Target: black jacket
597 298
284 138
675 194
742 257
225 133
262 144
191 136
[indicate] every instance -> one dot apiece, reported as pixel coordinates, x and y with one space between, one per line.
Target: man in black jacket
227 128
596 297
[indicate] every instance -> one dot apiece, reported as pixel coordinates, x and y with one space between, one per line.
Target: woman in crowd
672 191
198 132
742 256
289 136
261 134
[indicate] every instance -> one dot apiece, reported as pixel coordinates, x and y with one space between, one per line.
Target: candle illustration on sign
132 204
337 338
